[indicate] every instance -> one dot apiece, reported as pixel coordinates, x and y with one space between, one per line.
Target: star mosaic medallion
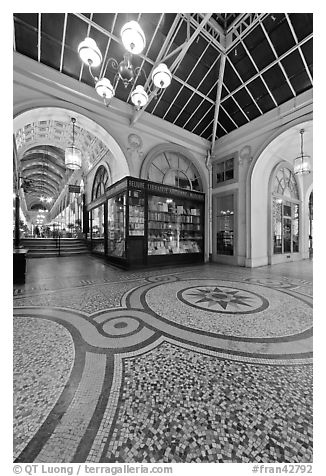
221 298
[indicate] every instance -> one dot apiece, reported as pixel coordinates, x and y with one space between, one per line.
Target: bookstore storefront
137 222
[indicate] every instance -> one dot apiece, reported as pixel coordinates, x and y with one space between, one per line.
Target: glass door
285 226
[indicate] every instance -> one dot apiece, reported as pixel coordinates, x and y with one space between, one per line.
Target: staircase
49 247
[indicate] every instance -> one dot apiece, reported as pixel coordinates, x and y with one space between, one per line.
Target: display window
97 229
136 213
116 240
174 226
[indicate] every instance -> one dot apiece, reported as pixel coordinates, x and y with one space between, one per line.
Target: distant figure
310 245
37 231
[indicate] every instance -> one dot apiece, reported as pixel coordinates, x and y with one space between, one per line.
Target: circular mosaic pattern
120 326
223 299
238 310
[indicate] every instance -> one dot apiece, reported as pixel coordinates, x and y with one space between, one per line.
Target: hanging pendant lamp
72 153
302 163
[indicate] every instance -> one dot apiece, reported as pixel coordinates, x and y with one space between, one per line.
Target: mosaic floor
203 363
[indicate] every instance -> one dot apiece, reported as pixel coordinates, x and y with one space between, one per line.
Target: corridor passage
202 363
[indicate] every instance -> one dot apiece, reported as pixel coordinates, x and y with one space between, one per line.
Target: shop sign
74 188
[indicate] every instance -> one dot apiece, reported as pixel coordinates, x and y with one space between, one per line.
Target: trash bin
19 265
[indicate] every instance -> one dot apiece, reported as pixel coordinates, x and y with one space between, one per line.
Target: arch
100 182
173 148
308 237
307 194
281 146
28 113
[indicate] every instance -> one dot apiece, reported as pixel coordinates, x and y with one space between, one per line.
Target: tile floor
204 363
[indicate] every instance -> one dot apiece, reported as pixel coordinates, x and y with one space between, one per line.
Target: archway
116 158
283 147
46 128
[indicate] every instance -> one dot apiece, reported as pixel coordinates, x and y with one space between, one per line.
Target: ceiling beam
100 28
212 31
210 125
174 66
45 152
82 63
241 28
37 175
39 37
14 33
107 46
63 41
51 170
35 159
218 99
43 186
237 19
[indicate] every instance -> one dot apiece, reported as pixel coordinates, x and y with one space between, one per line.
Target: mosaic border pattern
106 339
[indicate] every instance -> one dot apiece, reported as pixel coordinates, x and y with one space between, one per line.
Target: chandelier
133 39
302 163
73 154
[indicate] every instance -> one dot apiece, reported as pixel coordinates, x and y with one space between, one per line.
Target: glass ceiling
268 59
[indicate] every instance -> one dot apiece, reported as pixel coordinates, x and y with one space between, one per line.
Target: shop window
116 225
225 225
98 222
175 226
97 217
285 209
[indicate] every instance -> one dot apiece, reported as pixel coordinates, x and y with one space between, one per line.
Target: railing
58 243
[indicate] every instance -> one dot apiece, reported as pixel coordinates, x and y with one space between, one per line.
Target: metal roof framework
227 68
191 44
